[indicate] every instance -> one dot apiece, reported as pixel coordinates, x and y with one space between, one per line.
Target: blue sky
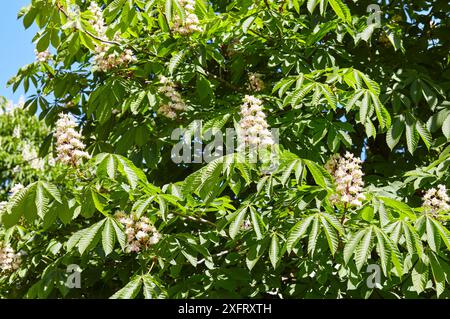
17 47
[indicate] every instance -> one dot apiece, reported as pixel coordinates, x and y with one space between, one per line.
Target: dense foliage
338 81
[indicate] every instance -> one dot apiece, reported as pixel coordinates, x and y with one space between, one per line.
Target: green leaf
248 22
394 133
432 235
256 222
383 249
175 61
330 235
120 234
90 237
412 136
53 191
443 232
108 237
274 251
311 5
313 236
341 10
41 201
237 221
152 289
446 127
424 134
297 232
130 291
419 276
438 274
320 175
351 245
399 206
364 248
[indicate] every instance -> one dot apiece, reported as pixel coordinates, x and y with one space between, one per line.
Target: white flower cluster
104 60
3 205
141 234
254 130
175 103
255 82
191 23
43 56
347 175
69 147
436 200
9 260
30 155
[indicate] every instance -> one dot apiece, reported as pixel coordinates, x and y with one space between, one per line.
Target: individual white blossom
175 102
254 130
105 60
255 82
246 225
436 200
15 189
191 23
347 174
30 155
9 259
3 205
141 234
69 147
43 56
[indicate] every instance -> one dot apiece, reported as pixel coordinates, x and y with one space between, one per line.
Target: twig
61 9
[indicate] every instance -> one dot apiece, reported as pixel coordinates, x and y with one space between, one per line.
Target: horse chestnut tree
347 102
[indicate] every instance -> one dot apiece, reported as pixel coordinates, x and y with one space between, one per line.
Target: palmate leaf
109 164
108 230
33 201
419 276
